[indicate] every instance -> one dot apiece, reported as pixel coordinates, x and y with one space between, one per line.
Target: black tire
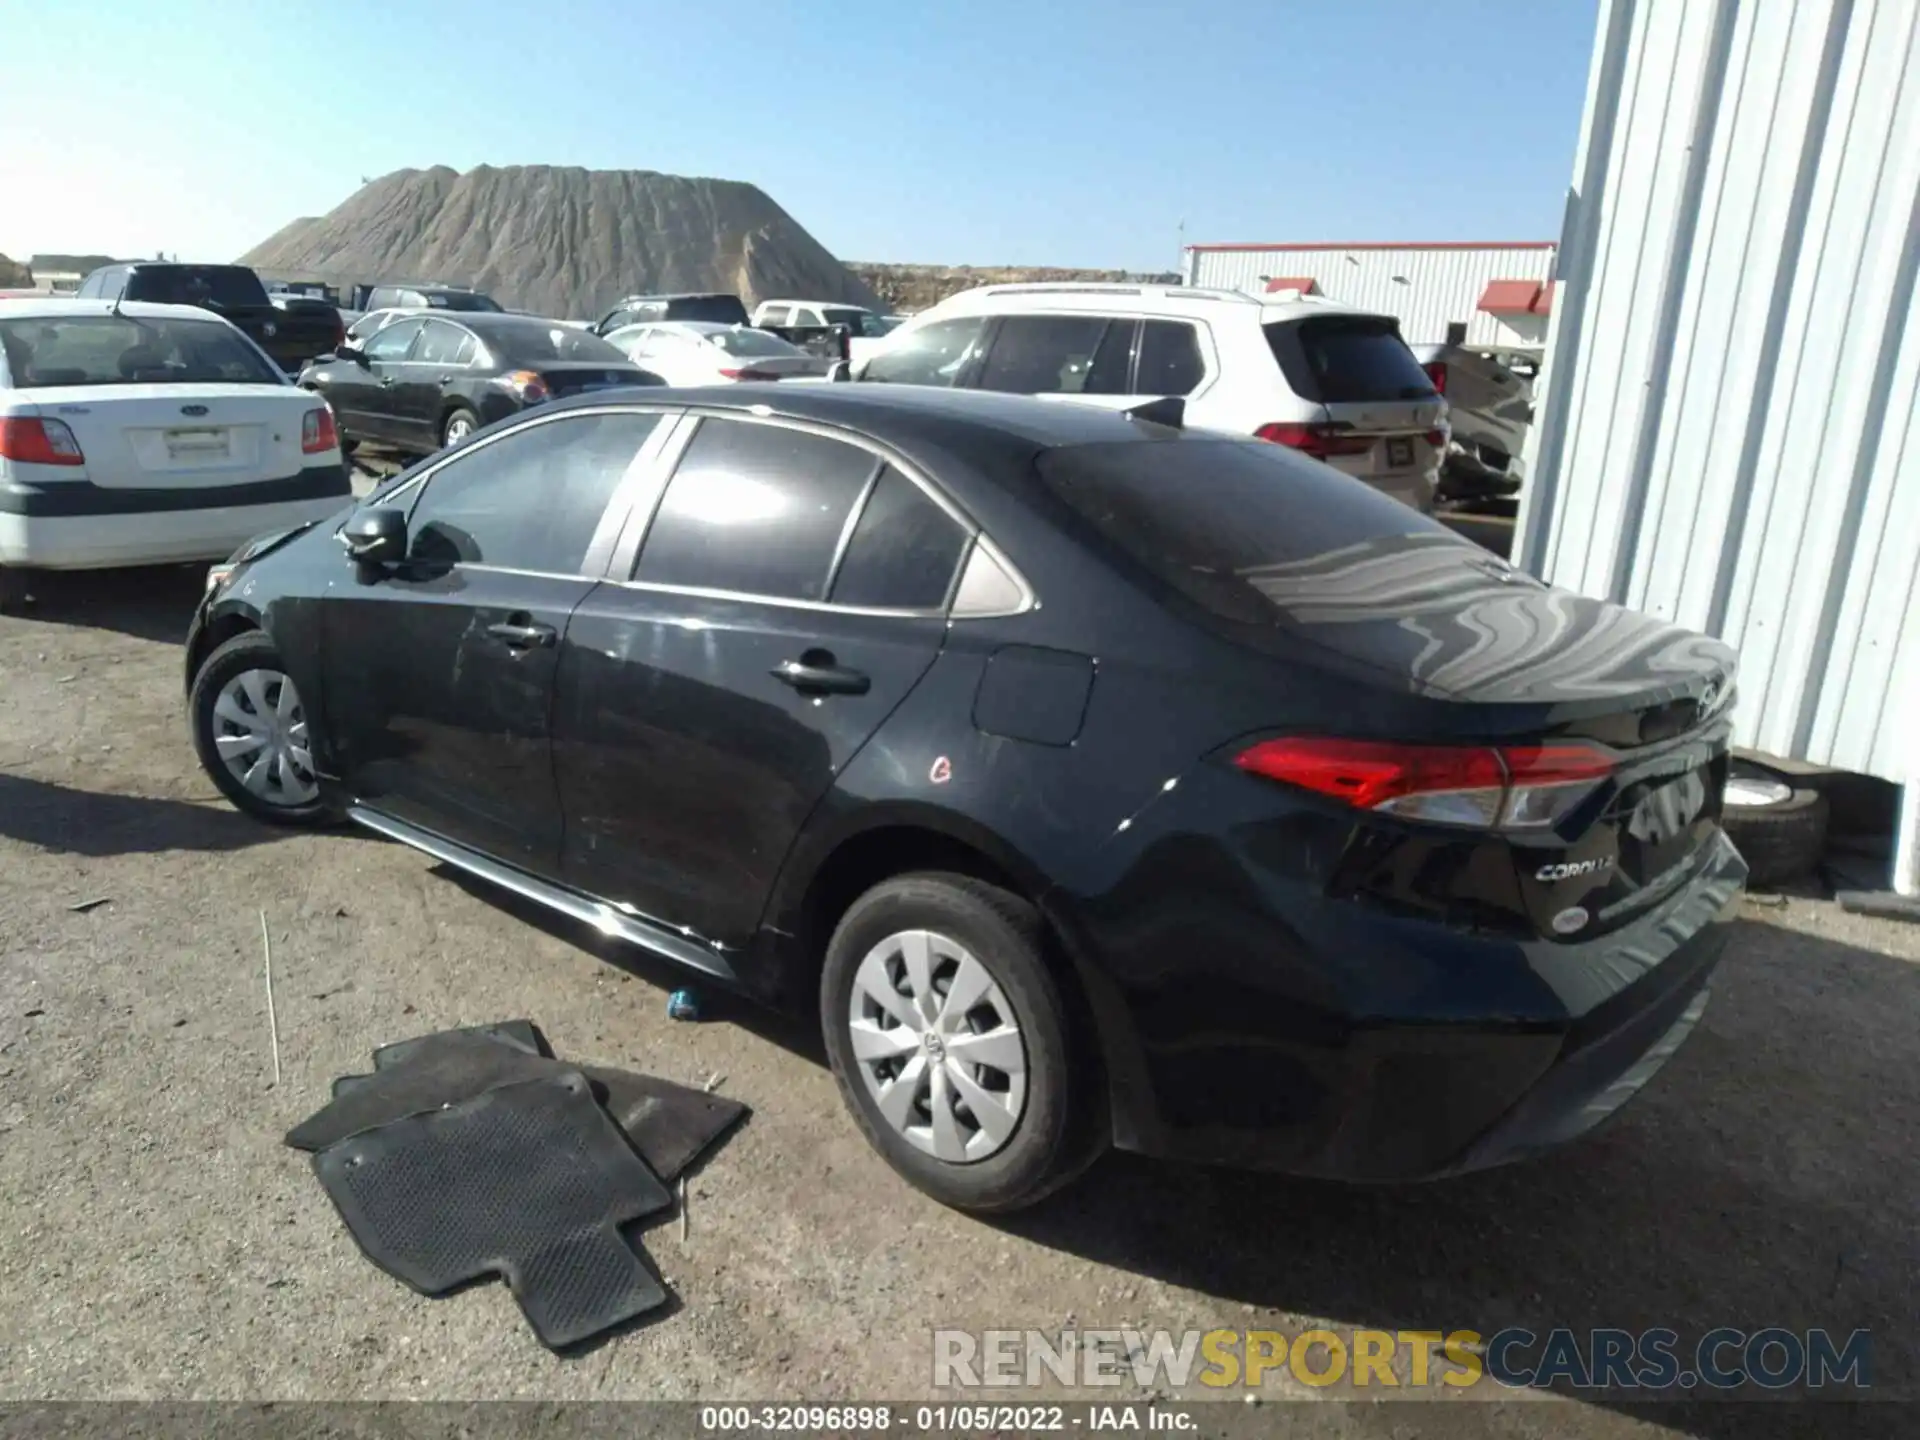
459 412
1781 841
1057 1134
251 651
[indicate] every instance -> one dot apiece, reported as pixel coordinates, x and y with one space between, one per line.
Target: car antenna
1169 410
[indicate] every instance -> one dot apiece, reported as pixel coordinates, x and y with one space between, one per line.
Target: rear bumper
74 525
1351 1044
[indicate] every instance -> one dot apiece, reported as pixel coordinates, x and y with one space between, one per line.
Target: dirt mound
561 240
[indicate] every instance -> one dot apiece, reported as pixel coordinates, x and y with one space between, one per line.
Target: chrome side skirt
605 918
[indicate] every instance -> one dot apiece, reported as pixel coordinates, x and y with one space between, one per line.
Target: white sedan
137 434
697 352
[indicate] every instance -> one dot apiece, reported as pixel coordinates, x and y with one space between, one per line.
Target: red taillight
1440 436
1318 440
39 442
339 332
748 375
1517 788
529 387
1437 373
317 432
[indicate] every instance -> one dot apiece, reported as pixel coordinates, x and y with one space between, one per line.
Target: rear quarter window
1211 518
1347 359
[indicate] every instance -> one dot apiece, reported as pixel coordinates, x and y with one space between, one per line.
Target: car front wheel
250 731
952 1042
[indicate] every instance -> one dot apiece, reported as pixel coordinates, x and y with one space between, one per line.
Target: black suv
1096 780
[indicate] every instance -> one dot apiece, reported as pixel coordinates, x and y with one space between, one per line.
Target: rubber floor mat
521 1034
457 1066
531 1182
670 1125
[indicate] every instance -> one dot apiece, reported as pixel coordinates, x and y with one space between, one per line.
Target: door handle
523 634
386 382
816 673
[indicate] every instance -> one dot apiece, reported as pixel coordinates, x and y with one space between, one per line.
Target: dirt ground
156 1240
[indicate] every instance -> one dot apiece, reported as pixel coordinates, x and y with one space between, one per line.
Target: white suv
1330 381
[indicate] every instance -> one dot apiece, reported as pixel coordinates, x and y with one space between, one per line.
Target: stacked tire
1780 828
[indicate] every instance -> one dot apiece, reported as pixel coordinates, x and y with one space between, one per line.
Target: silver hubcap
937 1046
458 429
260 732
1751 790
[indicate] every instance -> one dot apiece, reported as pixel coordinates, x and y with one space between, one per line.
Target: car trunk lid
182 436
576 377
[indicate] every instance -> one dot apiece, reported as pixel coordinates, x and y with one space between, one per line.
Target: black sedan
1093 779
430 381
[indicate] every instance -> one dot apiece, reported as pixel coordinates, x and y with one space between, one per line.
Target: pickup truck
800 320
291 336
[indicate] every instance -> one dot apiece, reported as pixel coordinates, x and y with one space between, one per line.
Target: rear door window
530 500
775 314
1213 518
1043 354
1170 362
755 509
903 552
1345 359
936 354
440 344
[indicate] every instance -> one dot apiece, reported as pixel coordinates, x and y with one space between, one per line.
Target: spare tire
1779 828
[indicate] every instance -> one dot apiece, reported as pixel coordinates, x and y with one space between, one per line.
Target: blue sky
1051 132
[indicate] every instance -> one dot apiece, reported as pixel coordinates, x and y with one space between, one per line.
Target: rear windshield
222 285
751 342
534 341
462 300
120 350
1342 359
720 309
863 323
1213 518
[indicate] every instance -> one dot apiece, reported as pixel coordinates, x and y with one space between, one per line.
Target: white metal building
1730 427
1499 291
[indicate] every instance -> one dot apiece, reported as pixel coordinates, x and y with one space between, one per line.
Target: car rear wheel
250 732
953 1043
459 424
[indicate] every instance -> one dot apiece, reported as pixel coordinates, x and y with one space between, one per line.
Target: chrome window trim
859 508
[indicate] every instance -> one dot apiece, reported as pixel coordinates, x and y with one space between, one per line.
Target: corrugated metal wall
1728 431
1427 288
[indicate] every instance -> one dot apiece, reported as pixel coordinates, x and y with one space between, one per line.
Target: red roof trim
1517 297
1305 284
1395 245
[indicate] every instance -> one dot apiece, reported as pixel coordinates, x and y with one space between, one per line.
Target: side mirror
376 537
348 350
839 370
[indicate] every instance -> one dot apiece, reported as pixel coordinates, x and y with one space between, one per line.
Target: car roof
902 413
1188 301
54 309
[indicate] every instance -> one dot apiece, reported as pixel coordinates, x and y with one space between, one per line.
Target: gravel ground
160 1243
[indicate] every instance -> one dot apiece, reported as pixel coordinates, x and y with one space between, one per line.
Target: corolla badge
193 409
1568 869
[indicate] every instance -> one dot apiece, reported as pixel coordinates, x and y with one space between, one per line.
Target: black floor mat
529 1181
456 1066
670 1125
521 1034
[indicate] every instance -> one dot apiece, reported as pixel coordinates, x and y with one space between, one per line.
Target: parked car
425 381
694 352
642 309
1327 380
135 434
1489 410
1091 778
233 292
864 328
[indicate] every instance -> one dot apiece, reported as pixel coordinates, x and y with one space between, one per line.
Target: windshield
462 300
540 340
861 322
751 342
120 350
223 285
